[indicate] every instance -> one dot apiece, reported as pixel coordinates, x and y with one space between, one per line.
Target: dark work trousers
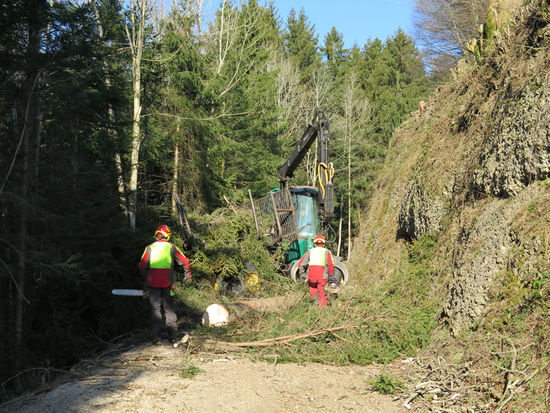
160 300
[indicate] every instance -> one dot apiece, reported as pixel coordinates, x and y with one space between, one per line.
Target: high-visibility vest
160 255
318 256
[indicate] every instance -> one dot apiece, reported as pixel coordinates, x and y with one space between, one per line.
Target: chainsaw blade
133 293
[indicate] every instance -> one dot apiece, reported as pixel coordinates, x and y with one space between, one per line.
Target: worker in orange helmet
157 268
320 269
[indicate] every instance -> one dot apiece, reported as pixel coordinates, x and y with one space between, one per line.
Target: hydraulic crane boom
299 211
317 129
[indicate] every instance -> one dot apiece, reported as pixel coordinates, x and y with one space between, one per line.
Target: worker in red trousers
319 265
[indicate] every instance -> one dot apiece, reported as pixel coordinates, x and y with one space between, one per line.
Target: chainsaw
132 293
333 289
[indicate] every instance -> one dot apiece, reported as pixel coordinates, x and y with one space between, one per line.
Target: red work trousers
317 288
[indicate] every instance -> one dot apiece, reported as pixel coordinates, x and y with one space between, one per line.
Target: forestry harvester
300 212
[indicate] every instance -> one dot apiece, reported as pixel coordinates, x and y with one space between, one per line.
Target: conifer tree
334 51
58 197
301 44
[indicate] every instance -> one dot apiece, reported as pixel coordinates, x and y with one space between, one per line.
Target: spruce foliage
221 109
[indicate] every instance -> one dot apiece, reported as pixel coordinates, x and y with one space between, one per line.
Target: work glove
332 279
186 273
173 290
303 276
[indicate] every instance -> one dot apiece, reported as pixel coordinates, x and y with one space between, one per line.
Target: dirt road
148 379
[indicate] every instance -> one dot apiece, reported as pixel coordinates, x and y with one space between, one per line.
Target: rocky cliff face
472 170
488 248
419 213
517 152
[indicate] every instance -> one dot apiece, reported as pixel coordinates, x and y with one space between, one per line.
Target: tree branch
22 134
276 340
223 115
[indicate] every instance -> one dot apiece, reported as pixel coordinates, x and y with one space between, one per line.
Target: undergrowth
224 241
363 325
377 325
189 370
385 384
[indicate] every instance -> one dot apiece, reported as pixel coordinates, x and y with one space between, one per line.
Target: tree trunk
221 54
339 236
135 41
349 195
31 129
175 177
136 142
111 114
22 244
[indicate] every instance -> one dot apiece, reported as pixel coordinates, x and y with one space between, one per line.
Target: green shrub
386 385
190 371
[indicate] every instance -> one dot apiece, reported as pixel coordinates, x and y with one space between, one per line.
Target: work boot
184 340
157 342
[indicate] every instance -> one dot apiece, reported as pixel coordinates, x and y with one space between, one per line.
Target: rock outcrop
518 151
476 174
419 213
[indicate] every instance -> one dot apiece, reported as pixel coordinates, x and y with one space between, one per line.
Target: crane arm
318 129
286 170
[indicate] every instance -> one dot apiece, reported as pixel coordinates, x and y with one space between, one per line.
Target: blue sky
357 20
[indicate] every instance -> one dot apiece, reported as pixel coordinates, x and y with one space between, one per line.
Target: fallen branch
275 340
509 376
514 387
46 370
230 206
407 403
339 337
264 304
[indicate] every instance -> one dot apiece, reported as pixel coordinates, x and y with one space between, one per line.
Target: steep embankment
471 171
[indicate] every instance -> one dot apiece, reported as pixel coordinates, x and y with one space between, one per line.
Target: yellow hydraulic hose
328 170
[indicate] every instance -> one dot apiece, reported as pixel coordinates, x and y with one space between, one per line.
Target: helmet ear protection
163 232
319 240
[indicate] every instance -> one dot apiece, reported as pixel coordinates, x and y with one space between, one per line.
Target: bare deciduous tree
356 112
196 10
239 33
444 27
295 105
135 27
321 88
353 113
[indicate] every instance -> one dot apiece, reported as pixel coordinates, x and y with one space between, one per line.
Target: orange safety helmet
319 240
163 232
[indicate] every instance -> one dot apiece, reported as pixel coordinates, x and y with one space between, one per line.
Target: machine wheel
340 271
294 271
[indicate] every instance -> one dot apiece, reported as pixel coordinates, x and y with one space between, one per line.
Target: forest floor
133 375
147 378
